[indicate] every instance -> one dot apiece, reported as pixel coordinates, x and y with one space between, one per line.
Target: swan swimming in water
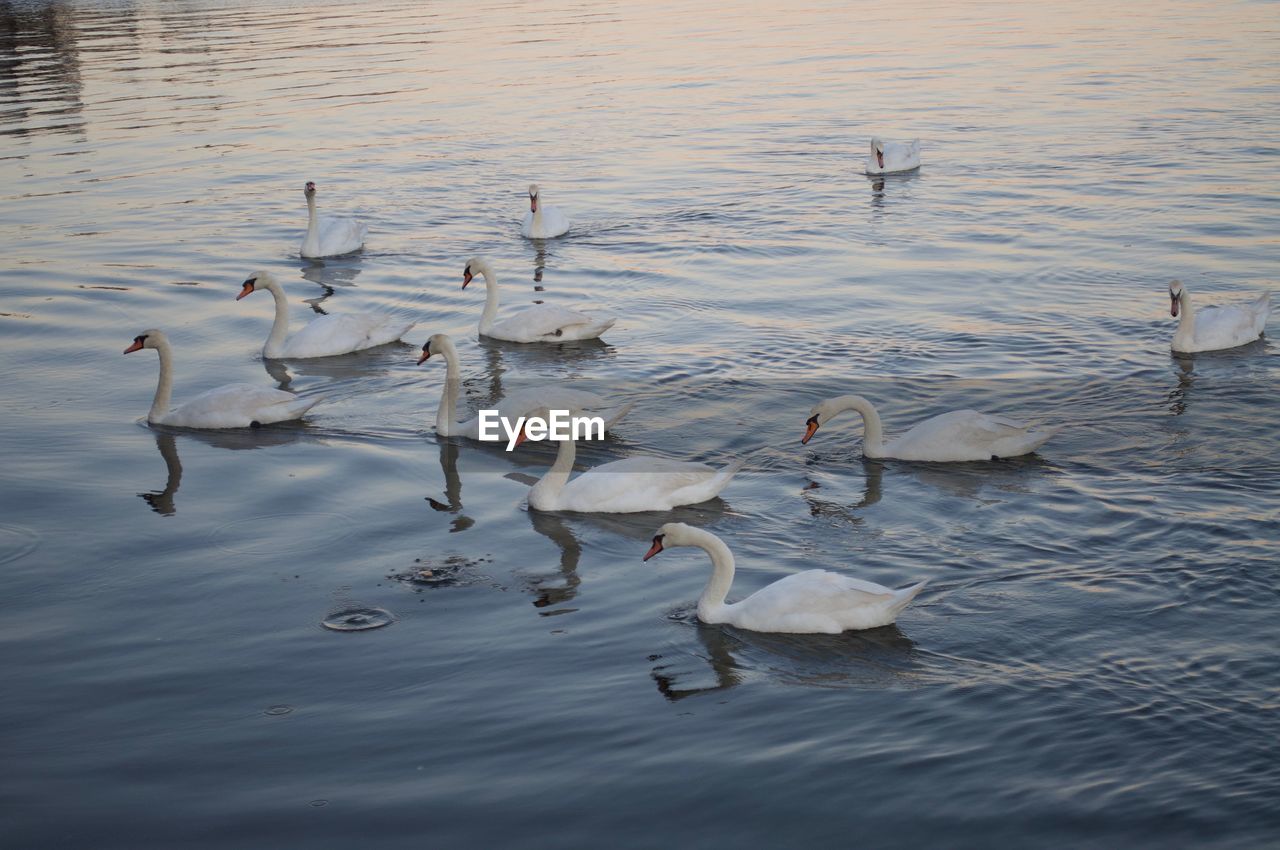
329 236
809 602
340 333
1215 328
893 157
230 406
522 402
542 221
539 323
957 436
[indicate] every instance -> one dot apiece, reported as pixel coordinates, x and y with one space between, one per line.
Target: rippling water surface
1093 662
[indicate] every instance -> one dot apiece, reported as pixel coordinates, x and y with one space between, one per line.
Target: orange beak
135 347
654 549
466 278
880 158
522 437
426 354
810 431
248 288
1173 306
533 203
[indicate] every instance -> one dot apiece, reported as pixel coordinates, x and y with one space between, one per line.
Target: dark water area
1093 661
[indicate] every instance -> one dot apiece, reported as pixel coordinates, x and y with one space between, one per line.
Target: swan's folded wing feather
542 320
818 592
340 333
229 406
638 479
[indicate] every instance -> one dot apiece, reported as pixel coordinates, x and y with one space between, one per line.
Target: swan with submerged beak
809 602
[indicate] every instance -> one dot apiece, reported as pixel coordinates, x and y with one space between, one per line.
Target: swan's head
671 534
309 190
819 415
147 339
475 266
533 197
877 150
256 281
1176 291
437 344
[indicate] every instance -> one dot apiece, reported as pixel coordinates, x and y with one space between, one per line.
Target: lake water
1093 661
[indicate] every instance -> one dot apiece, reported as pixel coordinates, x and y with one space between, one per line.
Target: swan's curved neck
447 412
873 431
1186 315
490 299
280 327
312 239
722 569
164 390
549 485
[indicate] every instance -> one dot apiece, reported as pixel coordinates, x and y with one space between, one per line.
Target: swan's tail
903 597
726 473
299 407
597 330
613 415
1037 436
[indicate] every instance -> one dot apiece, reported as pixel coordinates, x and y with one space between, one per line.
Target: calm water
1094 659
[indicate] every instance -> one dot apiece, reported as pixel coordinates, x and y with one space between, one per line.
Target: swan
232 406
813 601
1215 328
329 236
523 402
956 436
328 335
892 157
542 221
539 323
625 486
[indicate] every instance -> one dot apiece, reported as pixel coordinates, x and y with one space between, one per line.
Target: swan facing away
231 406
1215 328
956 436
892 157
539 323
625 486
542 221
326 336
329 236
810 602
522 402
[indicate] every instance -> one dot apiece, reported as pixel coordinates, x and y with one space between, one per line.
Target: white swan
1215 328
625 486
539 323
956 436
326 336
522 402
329 236
813 601
542 221
892 157
232 406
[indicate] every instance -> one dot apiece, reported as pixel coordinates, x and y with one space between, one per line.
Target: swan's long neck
312 239
1186 316
549 486
872 430
490 299
280 327
164 390
447 412
722 568
537 216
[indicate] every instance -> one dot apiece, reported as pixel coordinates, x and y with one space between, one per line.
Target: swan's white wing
819 593
962 435
238 406
542 322
636 484
1230 325
343 333
340 235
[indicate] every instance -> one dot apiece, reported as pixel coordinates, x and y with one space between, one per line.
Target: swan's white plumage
524 402
627 486
961 435
329 236
325 336
810 602
229 406
1216 328
539 323
542 221
893 156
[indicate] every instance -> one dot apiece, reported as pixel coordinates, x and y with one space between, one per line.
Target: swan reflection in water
560 586
1186 374
350 369
876 658
329 274
873 473
452 487
235 439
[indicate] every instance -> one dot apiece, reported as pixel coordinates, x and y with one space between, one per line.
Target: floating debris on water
358 619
